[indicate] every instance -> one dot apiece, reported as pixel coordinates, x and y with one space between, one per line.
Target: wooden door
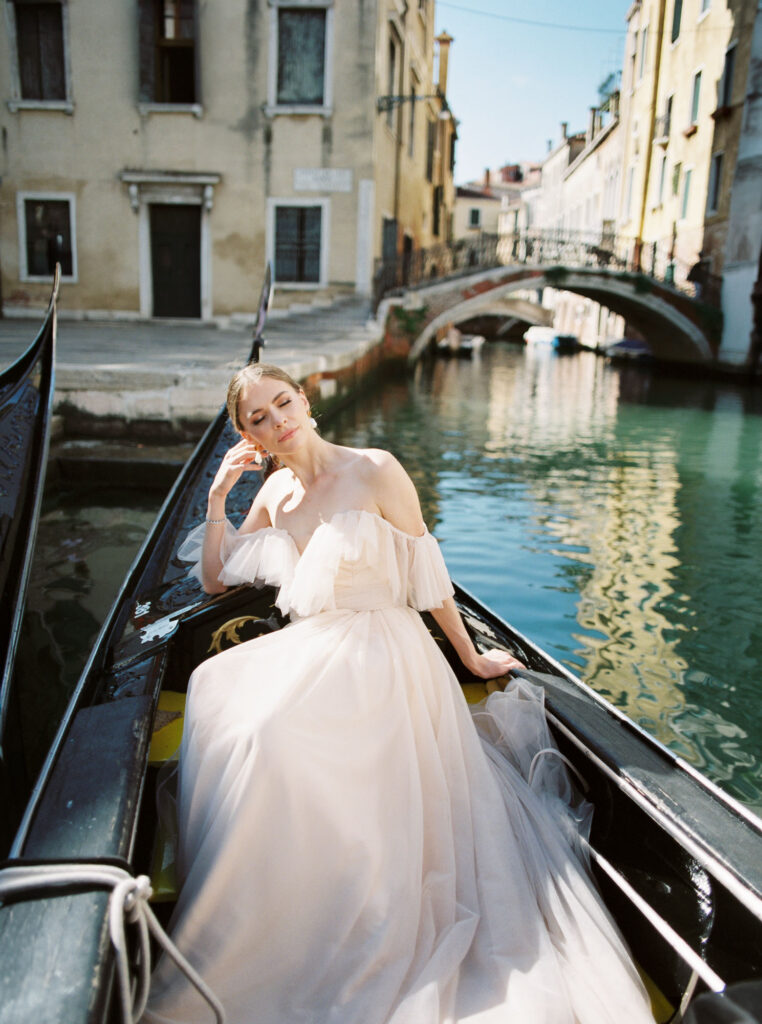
176 260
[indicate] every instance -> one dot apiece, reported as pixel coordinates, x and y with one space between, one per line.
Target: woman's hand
239 459
493 663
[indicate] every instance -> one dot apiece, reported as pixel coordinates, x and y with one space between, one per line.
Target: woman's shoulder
375 462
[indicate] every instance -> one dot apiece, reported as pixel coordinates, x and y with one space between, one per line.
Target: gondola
678 862
26 403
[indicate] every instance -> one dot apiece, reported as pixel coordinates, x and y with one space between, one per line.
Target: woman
352 851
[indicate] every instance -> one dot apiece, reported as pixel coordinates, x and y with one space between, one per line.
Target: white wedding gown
352 850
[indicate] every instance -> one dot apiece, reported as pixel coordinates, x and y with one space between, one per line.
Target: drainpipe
651 130
398 124
444 40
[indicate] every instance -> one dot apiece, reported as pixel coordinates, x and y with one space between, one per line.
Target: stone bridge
678 327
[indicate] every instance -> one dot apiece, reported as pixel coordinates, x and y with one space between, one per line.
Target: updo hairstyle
253 374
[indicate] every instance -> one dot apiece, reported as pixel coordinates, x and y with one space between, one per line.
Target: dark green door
176 260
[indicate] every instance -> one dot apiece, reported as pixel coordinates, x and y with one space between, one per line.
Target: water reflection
610 515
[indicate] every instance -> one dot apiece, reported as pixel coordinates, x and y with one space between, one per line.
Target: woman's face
273 416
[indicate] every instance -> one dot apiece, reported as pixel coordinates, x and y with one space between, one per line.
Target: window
46 230
643 50
715 181
628 192
686 193
661 180
167 33
676 171
474 217
431 140
298 236
725 90
695 97
438 197
40 47
676 15
301 56
705 5
411 122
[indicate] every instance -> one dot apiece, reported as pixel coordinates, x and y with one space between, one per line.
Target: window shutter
147 50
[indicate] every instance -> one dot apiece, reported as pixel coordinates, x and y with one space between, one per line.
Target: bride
355 847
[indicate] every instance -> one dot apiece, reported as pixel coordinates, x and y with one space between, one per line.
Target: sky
512 83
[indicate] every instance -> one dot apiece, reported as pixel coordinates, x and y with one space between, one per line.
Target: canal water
612 515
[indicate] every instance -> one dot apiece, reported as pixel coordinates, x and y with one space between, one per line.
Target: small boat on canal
678 862
26 403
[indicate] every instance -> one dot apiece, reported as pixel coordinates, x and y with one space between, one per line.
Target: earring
313 422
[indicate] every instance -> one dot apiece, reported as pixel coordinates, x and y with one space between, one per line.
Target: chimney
564 129
592 124
444 53
486 177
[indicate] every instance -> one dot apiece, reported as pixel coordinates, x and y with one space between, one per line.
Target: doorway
176 259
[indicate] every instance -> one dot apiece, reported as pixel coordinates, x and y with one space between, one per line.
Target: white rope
128 901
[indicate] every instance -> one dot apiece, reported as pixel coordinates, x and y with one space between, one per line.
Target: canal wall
159 383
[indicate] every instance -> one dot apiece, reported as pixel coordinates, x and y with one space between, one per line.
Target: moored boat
26 402
678 862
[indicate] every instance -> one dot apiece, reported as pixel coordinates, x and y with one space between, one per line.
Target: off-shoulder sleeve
429 583
191 547
263 556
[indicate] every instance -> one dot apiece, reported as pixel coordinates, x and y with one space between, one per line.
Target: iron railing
547 248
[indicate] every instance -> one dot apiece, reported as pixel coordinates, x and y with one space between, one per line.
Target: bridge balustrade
568 250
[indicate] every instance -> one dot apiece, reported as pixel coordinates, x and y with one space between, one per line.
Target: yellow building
683 86
163 150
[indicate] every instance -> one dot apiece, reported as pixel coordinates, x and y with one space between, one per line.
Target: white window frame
642 55
685 192
661 180
698 73
16 103
629 189
69 197
705 7
275 109
714 183
273 203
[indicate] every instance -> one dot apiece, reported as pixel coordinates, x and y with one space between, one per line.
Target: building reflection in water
610 515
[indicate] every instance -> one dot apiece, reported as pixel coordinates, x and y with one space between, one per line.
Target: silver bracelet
215 522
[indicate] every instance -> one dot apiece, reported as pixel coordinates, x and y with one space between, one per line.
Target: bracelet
215 522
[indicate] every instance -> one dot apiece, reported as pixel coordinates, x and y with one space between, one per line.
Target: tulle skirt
356 846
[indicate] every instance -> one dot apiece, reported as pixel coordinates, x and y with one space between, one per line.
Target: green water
613 517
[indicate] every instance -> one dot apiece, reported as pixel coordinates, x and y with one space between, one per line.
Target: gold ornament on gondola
229 631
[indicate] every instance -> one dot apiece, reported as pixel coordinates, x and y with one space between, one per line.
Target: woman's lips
289 433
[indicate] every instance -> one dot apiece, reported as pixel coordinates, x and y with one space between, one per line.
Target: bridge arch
670 320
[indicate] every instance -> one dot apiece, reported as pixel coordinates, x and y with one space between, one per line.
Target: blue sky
511 84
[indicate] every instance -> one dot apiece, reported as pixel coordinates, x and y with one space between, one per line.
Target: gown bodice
355 560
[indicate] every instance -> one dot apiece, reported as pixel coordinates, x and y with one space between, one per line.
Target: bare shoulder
393 491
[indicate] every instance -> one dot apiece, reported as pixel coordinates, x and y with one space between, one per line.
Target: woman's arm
489 665
238 460
398 502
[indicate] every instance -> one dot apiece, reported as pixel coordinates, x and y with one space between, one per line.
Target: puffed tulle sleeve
264 556
428 582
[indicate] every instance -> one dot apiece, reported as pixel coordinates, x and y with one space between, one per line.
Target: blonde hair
253 374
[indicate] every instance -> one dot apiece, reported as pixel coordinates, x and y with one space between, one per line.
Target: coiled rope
128 902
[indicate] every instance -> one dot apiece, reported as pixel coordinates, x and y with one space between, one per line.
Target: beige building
684 82
163 150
